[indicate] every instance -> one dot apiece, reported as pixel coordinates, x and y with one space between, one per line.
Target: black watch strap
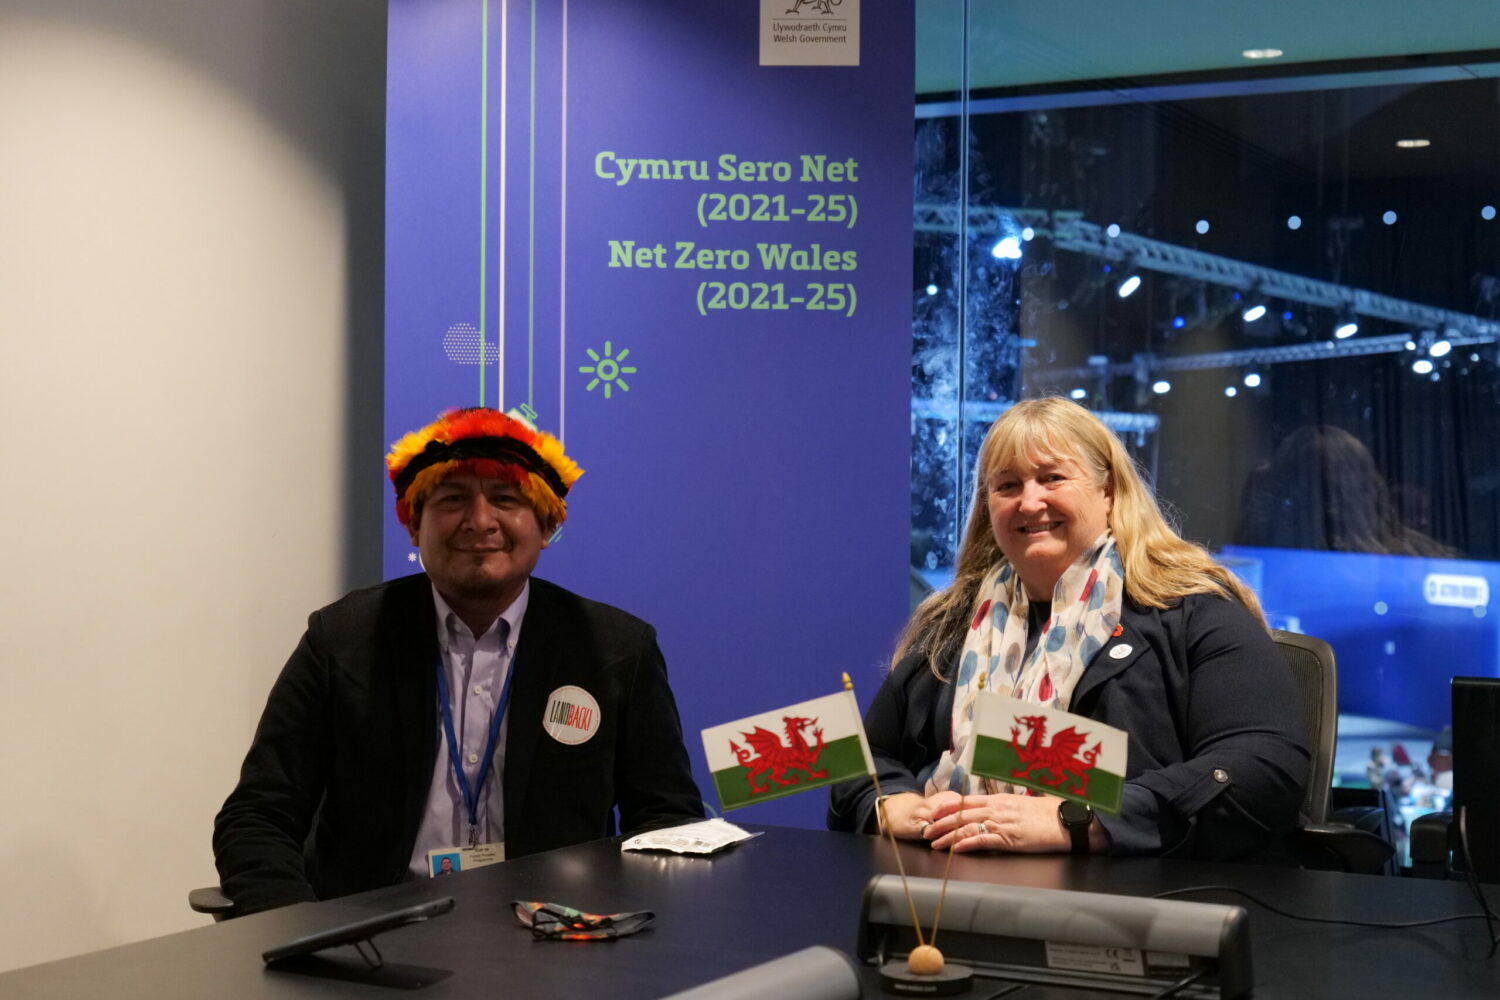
1076 818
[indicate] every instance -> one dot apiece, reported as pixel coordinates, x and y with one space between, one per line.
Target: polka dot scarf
1085 611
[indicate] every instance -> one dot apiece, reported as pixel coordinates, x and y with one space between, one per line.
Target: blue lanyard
471 792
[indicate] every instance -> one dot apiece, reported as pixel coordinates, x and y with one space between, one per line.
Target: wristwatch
1076 818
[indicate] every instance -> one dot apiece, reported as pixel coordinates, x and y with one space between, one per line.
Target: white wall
190 244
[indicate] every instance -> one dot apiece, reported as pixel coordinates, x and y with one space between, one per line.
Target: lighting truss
1069 231
1322 350
987 412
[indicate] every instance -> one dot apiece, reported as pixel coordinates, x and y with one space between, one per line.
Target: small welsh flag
789 750
1050 750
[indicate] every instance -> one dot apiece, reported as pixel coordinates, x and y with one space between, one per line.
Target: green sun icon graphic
608 369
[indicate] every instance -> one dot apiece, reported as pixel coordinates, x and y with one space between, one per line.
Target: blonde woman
1073 591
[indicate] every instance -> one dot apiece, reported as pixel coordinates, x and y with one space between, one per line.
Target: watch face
1075 812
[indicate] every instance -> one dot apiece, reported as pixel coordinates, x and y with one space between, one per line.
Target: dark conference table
773 895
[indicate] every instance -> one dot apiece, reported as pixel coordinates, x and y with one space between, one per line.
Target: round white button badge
1121 651
571 715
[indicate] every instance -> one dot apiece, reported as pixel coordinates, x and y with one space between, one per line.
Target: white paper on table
706 837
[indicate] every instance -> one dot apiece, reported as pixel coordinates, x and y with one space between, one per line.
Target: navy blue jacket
1218 756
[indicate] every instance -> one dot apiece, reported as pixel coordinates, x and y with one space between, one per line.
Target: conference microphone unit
1082 939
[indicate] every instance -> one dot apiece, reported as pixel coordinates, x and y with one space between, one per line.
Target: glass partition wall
1263 247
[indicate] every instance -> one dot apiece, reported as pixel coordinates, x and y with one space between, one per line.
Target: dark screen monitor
1476 769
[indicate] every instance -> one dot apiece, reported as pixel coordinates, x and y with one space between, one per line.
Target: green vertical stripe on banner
994 758
531 231
484 172
842 759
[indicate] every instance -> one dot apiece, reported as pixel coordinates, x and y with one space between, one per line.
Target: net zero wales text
814 188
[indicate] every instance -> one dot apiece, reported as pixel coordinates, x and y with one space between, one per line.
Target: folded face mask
564 923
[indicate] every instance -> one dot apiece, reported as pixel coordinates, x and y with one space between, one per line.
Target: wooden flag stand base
950 980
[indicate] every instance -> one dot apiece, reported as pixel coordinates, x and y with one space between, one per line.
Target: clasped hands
1026 824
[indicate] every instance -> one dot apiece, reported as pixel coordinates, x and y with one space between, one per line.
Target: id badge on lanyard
444 860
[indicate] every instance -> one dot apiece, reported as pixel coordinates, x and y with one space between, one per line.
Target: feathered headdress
486 443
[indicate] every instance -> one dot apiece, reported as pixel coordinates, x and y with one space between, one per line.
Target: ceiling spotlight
1178 322
1346 327
1413 143
1128 286
1112 230
1253 312
1421 366
1487 213
1028 234
1231 391
1201 226
1162 387
1079 394
1294 222
1389 218
1009 248
1262 53
932 289
1440 348
1252 380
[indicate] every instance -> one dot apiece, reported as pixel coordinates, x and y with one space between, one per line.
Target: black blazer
1218 756
332 791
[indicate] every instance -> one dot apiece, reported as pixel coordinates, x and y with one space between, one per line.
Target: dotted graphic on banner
607 370
461 345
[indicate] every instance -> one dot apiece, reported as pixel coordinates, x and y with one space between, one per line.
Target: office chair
1341 841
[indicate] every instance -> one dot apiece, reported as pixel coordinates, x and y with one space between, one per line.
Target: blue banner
678 235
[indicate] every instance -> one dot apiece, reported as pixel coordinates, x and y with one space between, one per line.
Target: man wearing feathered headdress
471 709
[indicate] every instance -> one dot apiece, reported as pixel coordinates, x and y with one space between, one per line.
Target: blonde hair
1160 566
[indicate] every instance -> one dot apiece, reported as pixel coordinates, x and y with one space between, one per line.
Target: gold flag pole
891 835
948 865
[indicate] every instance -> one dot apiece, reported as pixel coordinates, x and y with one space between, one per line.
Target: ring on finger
923 824
984 826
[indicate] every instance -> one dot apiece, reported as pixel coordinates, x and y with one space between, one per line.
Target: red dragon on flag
1060 757
770 754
